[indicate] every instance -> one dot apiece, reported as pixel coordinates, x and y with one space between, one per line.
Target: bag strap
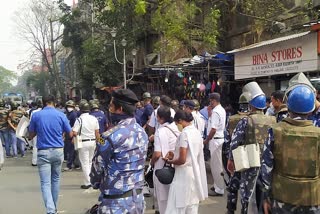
171 131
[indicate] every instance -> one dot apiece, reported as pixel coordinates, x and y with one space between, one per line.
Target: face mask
69 109
77 108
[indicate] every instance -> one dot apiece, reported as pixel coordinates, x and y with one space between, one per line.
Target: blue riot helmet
301 100
255 95
259 102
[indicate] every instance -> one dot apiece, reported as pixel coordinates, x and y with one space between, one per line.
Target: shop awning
269 42
285 55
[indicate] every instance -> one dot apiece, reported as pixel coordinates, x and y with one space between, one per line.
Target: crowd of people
268 153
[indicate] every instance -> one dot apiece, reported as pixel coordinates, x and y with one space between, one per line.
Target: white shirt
198 122
153 119
218 121
89 125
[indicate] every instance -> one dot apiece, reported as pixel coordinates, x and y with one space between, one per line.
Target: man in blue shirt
148 108
49 125
101 117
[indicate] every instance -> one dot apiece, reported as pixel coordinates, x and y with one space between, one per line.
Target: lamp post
113 33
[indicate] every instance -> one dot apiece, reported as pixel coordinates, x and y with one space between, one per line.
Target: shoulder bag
78 139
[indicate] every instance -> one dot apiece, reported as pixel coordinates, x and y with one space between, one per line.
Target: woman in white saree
164 141
189 185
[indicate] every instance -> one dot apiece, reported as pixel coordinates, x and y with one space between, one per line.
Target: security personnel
97 113
250 130
234 181
13 120
198 121
119 159
290 162
69 151
281 110
148 108
3 130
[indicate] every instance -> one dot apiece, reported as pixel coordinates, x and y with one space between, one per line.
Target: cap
125 96
182 102
189 103
214 96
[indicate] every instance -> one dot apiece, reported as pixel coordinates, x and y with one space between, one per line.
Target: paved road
20 192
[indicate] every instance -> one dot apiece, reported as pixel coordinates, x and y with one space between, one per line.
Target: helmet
253 90
259 102
156 100
174 103
70 103
146 95
94 106
85 107
165 175
244 98
197 104
14 105
301 100
82 101
1 103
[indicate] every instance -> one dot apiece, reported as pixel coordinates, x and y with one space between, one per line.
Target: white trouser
215 147
1 154
191 209
85 156
34 151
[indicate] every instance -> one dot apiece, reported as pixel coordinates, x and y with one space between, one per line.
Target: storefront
271 63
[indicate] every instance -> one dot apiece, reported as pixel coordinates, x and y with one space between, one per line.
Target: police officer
148 108
70 153
198 121
290 162
13 120
119 160
3 130
234 181
250 130
281 110
101 117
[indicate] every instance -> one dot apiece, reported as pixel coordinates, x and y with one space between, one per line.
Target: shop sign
289 56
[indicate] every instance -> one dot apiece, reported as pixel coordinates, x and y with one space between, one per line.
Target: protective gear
259 102
70 103
83 101
4 119
94 106
301 100
257 130
244 98
156 100
174 104
85 107
234 120
296 154
16 116
14 105
146 95
1 103
197 104
297 80
252 90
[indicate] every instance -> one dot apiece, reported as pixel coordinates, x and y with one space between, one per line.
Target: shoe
23 156
15 156
77 167
214 194
85 186
67 169
64 161
157 212
213 189
34 164
146 191
9 156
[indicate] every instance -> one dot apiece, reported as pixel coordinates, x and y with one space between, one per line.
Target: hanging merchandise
213 86
202 87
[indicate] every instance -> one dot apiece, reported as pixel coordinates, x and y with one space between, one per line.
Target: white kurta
164 141
189 185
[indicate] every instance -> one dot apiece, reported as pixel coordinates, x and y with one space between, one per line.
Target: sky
13 50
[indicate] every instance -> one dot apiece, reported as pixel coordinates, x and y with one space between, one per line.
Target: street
20 192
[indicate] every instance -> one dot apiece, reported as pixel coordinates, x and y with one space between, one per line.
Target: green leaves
140 7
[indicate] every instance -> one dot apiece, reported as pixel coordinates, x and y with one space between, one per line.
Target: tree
38 24
6 78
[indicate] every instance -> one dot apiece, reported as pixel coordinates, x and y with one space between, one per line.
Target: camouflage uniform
234 181
241 136
267 171
15 117
118 167
4 125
